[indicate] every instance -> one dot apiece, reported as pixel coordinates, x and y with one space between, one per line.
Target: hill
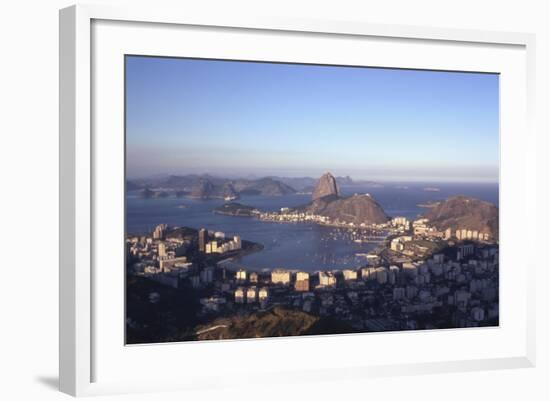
461 212
277 322
263 186
357 209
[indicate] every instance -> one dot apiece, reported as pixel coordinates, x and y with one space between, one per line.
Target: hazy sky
242 118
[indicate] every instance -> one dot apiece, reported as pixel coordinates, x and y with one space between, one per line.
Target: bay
300 246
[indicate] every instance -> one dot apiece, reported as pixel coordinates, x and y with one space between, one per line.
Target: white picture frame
79 155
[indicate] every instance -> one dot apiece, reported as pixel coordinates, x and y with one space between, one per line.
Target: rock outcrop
325 187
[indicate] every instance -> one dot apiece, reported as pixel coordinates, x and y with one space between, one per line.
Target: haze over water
301 246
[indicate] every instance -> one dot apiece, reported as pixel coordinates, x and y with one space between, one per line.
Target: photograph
272 199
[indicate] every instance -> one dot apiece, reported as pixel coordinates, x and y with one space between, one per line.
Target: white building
239 295
251 295
327 279
349 274
237 242
280 276
263 294
161 249
159 231
179 263
240 275
302 282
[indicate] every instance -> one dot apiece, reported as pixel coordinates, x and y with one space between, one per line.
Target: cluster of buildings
286 215
401 224
472 235
455 288
406 231
165 259
447 290
422 227
217 243
289 216
397 244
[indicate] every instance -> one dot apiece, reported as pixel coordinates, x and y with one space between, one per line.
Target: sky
238 118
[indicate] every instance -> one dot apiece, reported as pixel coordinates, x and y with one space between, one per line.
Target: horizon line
254 176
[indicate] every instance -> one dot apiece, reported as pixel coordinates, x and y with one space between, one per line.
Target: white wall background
29 200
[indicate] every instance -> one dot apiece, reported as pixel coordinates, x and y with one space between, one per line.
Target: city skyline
235 118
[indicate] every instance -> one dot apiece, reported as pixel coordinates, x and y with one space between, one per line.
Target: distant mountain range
207 186
457 212
308 184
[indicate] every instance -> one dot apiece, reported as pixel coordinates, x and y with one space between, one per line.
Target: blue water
295 246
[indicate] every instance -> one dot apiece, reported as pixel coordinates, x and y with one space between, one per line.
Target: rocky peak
325 187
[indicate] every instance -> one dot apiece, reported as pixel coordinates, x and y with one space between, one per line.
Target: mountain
461 212
208 187
203 189
326 186
300 184
307 184
357 209
344 181
229 191
264 186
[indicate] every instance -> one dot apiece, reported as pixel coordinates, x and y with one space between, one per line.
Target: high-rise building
263 294
237 241
162 249
240 275
251 295
280 276
368 273
302 282
381 275
159 231
349 275
239 295
327 279
203 239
